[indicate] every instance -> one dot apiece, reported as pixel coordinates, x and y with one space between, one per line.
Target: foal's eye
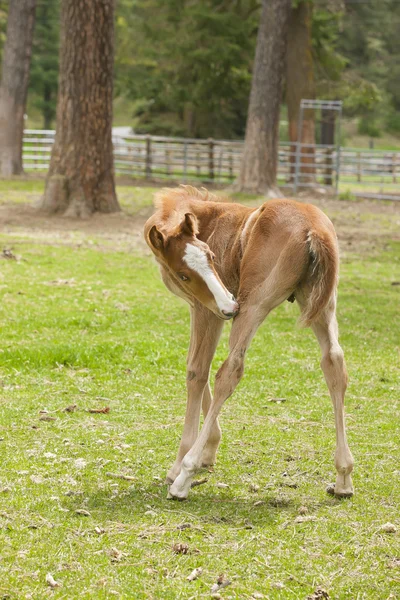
183 277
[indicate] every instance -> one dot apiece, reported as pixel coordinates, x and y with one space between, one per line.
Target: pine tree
80 180
14 83
260 156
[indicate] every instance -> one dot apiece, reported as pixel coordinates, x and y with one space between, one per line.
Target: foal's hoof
338 492
173 497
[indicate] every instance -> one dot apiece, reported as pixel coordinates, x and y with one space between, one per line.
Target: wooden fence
218 161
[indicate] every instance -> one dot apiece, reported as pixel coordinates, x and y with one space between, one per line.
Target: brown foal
211 252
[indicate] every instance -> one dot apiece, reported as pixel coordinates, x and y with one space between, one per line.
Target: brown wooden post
328 167
168 161
211 158
198 165
148 157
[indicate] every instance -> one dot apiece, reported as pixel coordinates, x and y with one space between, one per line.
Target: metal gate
318 163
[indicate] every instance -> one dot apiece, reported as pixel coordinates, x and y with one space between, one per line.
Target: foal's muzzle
231 314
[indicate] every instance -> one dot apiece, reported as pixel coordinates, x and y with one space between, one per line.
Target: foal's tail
321 278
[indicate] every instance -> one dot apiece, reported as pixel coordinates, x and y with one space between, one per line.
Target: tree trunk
300 84
260 156
80 180
14 84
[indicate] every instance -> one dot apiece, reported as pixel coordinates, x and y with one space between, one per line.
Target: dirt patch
116 230
363 226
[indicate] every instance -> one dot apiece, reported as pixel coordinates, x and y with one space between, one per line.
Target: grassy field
87 324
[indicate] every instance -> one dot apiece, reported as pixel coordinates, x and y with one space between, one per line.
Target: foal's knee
196 379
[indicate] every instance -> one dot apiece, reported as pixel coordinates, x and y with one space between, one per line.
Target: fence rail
218 161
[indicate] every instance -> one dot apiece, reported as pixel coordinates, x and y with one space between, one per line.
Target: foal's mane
170 200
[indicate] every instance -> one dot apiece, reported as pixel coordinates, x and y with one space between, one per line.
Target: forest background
183 68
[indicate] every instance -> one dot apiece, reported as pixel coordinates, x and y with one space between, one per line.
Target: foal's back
290 248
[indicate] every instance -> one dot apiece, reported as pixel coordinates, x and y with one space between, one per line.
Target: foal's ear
156 238
189 225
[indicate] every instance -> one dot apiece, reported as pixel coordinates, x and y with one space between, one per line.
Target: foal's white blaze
196 259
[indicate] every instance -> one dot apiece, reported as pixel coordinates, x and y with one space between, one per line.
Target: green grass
95 327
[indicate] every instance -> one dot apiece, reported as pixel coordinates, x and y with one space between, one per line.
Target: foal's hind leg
334 368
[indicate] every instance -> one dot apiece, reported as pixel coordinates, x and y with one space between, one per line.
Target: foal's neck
220 226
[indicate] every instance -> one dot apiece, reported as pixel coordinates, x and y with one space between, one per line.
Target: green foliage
44 67
184 67
371 44
393 122
367 126
190 64
347 195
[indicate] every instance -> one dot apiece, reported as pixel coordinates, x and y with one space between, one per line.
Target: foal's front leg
205 332
227 378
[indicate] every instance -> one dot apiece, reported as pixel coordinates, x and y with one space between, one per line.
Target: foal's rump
292 249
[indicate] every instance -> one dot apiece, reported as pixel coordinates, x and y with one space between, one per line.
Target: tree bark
300 84
80 180
14 84
260 156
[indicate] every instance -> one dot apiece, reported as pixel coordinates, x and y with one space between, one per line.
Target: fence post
394 168
185 157
328 178
198 164
148 157
359 166
210 158
230 165
167 161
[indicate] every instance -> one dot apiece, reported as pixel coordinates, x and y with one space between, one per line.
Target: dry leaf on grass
51 581
7 254
102 411
184 526
388 528
197 482
259 503
179 548
121 476
46 417
394 564
330 489
83 512
70 408
319 594
194 574
305 519
116 555
221 583
99 530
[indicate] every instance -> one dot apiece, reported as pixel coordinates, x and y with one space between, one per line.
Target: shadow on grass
139 504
